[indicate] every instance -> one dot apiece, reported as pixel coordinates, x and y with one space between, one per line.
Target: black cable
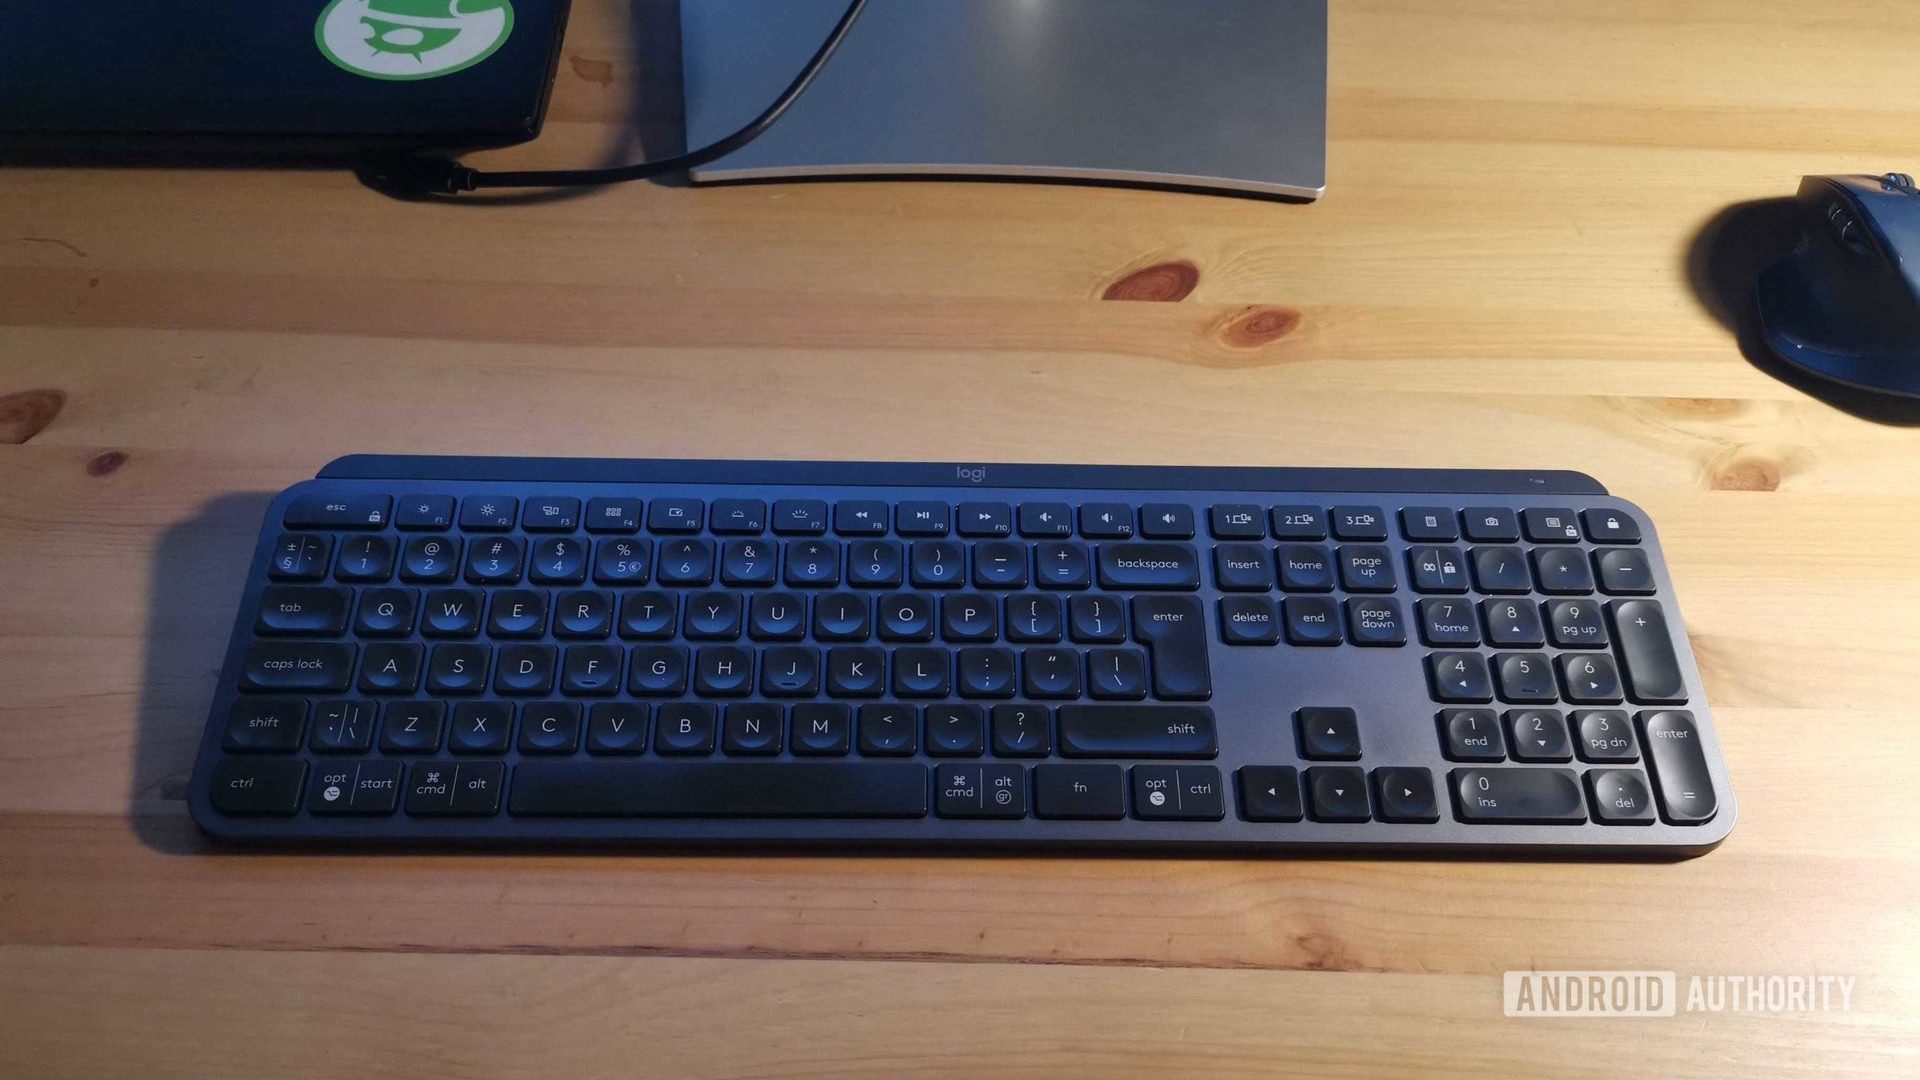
444 176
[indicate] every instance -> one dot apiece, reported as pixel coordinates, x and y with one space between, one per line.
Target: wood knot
1745 474
593 71
104 463
1704 408
26 413
1166 282
1259 326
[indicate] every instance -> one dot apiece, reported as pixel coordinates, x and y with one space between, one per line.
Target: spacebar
744 789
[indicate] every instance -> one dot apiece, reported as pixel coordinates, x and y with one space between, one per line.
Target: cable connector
413 177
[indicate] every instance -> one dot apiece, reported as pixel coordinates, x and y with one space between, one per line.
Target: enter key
1174 628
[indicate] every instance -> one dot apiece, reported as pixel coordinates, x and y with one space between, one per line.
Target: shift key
1137 731
297 665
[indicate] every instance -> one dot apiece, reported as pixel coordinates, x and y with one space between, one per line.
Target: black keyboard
538 652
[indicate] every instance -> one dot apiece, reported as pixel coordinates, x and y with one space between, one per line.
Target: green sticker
411 39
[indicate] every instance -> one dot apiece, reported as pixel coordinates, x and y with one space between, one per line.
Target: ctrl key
257 786
460 789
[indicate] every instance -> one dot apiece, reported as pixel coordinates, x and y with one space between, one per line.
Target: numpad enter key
925 657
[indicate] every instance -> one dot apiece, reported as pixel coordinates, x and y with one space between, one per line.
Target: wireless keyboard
536 652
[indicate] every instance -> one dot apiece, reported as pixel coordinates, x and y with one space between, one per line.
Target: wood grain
1505 272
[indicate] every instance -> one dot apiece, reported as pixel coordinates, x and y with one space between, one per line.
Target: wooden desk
1496 278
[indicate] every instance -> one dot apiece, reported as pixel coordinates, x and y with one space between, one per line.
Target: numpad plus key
928 657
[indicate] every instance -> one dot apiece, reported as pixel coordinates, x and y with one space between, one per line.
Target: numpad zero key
536 652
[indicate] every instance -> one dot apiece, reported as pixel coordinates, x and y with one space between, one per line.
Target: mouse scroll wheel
1849 231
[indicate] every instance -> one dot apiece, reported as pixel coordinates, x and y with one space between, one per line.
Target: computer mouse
1844 303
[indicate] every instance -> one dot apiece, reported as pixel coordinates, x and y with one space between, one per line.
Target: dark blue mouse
1844 304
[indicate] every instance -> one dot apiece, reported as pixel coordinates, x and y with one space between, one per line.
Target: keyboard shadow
200 565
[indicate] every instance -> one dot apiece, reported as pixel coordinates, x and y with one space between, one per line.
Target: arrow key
1459 676
1406 794
1338 793
1269 793
1538 735
1328 734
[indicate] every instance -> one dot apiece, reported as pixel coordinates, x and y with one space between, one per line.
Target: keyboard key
449 789
1337 793
813 563
617 727
1446 622
369 788
559 560
338 512
1116 674
1459 676
488 513
1620 797
1376 621
1576 624
921 673
822 730
722 671
782 616
1166 521
1249 620
799 517
739 517
1471 735
1365 568
856 672
266 725
765 789
1096 619
622 562
748 562
1269 793
1178 793
687 561
1064 565
1679 766
1590 680
1043 520
681 729
956 730
980 791
1305 568
1312 620
1438 569
862 517
302 609
1431 524
1405 795
1106 521
1524 677
1236 521
590 670
648 614
790 671
551 513
1137 731
1624 572
517 613
969 617
1000 564
1022 731
752 730
1298 523
582 613
249 786
342 727
1539 735
1328 734
524 669
658 671
1518 796
1035 618
1490 524
1174 629
1513 623
1079 792
1610 527
481 727
1562 571
875 564
365 559
1359 523
921 519
984 519
1148 566
1604 735
494 560
675 515
613 515
300 558
1243 568
1050 673
937 564
412 727
423 512
888 730
297 665
906 617
1549 526
1652 670
1500 570
430 559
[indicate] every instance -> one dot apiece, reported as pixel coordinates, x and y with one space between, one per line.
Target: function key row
872 517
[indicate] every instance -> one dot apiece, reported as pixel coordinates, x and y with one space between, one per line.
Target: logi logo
411 39
975 474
